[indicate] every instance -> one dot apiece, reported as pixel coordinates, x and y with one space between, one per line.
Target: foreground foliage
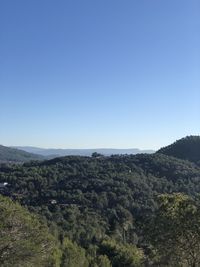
24 241
174 231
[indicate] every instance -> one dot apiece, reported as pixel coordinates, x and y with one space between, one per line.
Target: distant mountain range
187 148
53 152
24 154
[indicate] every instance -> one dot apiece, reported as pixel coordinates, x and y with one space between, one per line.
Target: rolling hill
99 193
8 154
90 200
187 148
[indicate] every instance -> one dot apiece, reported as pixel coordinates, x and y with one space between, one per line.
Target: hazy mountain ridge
187 148
53 152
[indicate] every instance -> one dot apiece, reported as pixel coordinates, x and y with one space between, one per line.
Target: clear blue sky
99 73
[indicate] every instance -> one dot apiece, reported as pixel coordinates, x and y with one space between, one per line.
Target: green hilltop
187 148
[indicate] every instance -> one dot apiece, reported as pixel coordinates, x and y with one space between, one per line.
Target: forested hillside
24 240
102 211
8 154
187 148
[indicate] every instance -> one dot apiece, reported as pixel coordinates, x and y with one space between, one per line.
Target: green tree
73 255
103 261
96 155
122 255
174 232
24 241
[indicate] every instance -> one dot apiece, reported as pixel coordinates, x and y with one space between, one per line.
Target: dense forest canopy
101 209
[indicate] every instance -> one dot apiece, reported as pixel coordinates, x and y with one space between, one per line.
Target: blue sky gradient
88 74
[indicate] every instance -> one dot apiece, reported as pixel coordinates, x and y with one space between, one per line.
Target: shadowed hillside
187 148
8 154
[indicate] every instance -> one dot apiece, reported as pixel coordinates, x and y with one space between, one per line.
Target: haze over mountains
81 152
187 148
